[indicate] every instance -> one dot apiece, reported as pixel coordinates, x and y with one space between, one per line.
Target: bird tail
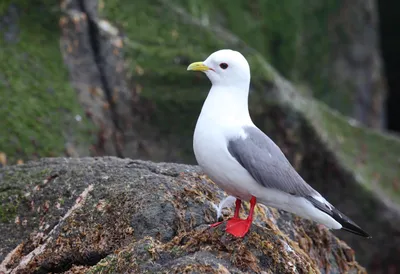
347 224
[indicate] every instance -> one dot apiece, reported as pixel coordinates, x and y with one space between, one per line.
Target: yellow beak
198 66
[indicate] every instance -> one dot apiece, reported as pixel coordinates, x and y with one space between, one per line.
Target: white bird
245 162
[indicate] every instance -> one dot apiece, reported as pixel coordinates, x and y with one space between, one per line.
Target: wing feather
264 160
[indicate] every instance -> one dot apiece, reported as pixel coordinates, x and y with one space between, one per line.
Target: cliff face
39 112
127 67
109 215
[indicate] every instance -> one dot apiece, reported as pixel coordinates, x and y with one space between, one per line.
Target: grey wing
264 160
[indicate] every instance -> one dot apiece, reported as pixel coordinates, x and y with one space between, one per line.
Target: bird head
225 67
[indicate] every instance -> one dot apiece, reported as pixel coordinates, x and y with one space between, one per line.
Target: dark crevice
389 24
95 42
90 259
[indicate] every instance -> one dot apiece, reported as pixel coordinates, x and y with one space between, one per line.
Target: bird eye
223 65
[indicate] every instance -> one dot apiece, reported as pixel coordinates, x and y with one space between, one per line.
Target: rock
121 216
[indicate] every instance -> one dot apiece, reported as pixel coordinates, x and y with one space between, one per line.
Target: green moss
294 37
38 106
119 262
372 157
9 200
271 28
108 265
13 197
160 43
164 37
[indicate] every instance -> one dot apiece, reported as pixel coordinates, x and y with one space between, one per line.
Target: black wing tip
347 224
349 227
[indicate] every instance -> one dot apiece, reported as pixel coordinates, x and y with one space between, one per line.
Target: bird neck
227 105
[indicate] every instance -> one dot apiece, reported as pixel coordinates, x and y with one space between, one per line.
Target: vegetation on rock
39 112
122 216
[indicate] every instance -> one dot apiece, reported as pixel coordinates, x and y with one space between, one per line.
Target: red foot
238 227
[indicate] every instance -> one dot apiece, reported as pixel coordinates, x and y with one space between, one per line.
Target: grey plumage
264 160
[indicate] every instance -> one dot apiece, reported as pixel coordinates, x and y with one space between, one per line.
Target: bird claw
215 224
238 227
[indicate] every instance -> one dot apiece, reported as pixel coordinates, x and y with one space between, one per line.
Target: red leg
238 203
238 227
253 202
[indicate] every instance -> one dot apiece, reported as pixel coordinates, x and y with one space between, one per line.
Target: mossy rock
307 44
120 216
40 113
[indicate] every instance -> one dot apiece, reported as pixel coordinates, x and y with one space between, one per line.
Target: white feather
228 201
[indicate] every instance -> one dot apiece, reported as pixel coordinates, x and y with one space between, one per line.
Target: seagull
244 161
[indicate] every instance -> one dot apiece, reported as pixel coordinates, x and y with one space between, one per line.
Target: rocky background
96 78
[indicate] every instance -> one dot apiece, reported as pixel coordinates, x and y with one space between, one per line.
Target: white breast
213 156
216 125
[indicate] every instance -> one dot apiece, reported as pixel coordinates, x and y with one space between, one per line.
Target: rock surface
108 215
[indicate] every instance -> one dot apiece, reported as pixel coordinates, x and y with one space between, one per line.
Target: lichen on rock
120 216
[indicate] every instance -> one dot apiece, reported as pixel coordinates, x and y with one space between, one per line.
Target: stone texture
121 216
